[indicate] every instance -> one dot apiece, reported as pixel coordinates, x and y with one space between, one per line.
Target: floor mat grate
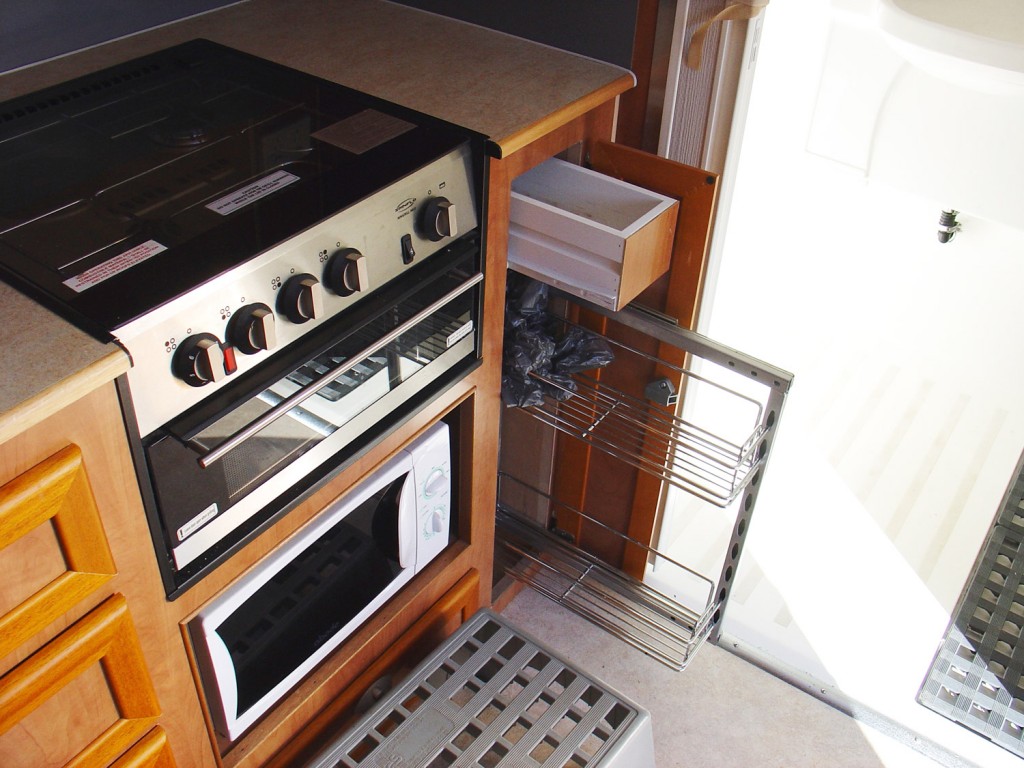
492 697
977 677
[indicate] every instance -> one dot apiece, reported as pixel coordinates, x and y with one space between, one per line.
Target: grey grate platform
491 696
977 677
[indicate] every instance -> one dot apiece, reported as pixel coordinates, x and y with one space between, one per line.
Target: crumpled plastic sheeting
534 343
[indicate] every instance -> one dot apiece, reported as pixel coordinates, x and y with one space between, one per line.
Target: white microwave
265 632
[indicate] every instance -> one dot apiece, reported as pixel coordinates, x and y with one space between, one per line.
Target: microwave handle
407 521
240 436
222 673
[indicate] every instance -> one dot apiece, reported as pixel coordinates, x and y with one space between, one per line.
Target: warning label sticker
252 192
115 266
197 522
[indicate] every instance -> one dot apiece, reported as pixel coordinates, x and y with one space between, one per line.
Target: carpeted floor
721 711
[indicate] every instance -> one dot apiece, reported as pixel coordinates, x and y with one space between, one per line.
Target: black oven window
316 594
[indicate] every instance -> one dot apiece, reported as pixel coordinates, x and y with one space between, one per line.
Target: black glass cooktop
125 188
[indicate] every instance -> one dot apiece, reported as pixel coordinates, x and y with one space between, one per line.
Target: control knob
301 298
438 219
346 272
252 329
435 483
436 523
198 360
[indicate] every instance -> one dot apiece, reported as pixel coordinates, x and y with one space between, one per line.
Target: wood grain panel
151 751
105 636
55 490
83 707
94 424
618 495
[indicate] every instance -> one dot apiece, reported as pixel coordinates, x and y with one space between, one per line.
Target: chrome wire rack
647 619
714 446
680 452
685 450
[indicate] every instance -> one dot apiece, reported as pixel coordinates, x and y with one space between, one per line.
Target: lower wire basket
637 614
492 696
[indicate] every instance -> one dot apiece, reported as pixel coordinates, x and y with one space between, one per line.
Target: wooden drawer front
151 751
594 236
104 639
55 491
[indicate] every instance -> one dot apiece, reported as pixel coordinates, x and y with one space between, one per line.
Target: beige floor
721 711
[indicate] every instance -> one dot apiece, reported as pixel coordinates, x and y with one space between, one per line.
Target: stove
235 224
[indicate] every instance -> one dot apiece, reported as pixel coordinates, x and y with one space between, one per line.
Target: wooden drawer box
596 237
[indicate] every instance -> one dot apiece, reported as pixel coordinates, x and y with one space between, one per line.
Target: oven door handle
240 436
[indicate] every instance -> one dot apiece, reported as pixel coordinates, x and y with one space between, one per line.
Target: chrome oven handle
237 438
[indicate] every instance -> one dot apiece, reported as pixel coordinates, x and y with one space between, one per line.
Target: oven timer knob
346 272
301 298
251 329
199 359
438 219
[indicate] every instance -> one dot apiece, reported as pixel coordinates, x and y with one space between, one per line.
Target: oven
262 634
221 470
294 268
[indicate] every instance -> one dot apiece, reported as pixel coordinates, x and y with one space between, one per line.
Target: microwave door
260 636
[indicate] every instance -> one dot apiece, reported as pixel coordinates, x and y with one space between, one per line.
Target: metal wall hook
948 225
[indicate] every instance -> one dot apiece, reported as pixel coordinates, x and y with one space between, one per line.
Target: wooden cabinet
90 674
95 665
583 477
105 636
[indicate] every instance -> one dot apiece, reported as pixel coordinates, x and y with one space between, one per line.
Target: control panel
185 350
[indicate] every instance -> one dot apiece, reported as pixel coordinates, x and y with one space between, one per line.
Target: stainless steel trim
240 436
637 317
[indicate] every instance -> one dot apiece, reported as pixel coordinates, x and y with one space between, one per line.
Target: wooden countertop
509 89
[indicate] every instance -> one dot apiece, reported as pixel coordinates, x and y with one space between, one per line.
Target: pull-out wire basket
710 459
680 452
713 446
636 613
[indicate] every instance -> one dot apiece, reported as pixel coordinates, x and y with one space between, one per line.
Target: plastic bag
579 350
538 362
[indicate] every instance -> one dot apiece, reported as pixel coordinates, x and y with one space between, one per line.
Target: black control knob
301 298
346 272
198 360
252 329
438 219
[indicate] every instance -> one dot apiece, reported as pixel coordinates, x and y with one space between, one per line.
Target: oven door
228 467
265 632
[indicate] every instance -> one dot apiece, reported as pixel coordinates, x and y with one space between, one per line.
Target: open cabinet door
601 450
616 493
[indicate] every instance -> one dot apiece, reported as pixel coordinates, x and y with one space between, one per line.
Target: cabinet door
617 493
82 666
616 441
151 751
51 568
97 666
